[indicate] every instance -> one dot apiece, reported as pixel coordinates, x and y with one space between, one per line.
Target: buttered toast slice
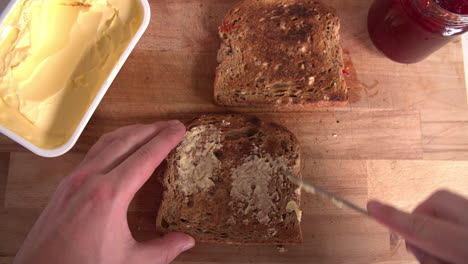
226 183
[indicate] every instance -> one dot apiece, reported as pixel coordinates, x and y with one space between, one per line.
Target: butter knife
338 201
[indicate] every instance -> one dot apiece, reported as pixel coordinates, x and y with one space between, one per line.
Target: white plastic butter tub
97 99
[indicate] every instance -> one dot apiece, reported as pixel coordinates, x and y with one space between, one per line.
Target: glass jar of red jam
408 31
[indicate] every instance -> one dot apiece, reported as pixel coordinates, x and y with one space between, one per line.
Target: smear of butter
54 57
197 159
292 207
250 185
337 203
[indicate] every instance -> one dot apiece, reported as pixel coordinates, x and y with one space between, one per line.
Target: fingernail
174 123
190 244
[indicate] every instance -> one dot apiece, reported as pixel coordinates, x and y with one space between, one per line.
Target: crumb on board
281 249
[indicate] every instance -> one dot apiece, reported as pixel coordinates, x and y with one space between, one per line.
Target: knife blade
338 201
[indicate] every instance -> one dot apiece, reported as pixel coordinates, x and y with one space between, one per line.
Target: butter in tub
54 57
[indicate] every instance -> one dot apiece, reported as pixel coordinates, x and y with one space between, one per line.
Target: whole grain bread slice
278 53
226 183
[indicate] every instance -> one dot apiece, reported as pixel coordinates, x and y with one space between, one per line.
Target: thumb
440 238
164 250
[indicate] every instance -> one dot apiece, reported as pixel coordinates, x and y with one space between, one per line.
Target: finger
122 144
109 151
417 253
445 205
105 140
443 240
131 174
166 249
423 257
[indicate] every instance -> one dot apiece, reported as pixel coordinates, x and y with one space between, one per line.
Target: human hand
436 231
86 219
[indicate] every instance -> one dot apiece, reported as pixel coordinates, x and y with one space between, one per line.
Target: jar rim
431 12
446 10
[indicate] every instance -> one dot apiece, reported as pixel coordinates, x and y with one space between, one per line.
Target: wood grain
32 179
171 74
404 135
6 260
7 145
4 162
14 226
347 135
406 183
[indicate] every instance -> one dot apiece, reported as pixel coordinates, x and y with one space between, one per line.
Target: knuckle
439 195
121 132
116 133
174 136
75 180
106 137
127 138
144 153
123 140
419 225
102 193
442 193
128 129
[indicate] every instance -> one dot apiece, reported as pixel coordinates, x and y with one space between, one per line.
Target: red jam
408 31
454 6
227 27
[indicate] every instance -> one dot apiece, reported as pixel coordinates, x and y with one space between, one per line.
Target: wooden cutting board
404 135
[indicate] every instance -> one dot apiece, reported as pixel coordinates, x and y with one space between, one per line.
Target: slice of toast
226 183
279 53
